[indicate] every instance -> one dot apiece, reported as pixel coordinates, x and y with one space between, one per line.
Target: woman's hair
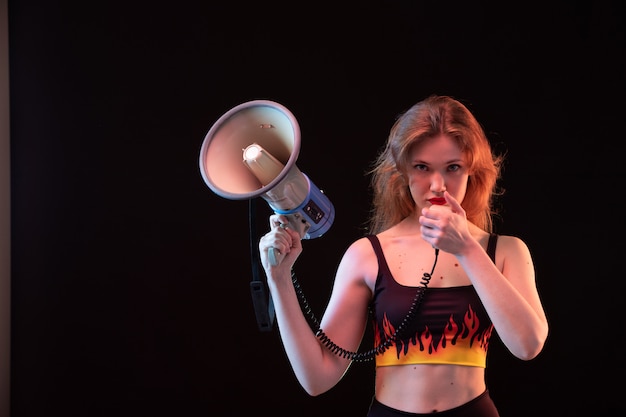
436 115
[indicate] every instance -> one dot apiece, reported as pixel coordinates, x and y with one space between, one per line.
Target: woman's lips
440 201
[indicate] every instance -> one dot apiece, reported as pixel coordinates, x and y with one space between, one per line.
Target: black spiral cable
383 346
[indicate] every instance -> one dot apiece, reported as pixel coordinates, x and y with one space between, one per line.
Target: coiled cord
385 344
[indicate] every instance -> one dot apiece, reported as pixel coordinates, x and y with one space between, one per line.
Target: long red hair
435 115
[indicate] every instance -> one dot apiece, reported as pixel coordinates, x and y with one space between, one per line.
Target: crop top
450 326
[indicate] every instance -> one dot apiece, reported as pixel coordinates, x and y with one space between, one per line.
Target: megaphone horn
251 151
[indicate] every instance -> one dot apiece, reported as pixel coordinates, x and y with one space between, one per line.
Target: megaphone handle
271 254
274 256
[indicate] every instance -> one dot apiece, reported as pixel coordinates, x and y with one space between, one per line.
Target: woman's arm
507 289
316 368
509 294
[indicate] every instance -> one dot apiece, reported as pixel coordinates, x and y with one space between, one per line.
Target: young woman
431 276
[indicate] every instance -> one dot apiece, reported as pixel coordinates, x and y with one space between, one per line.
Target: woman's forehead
441 147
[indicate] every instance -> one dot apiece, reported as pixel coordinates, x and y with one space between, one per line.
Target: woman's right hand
283 241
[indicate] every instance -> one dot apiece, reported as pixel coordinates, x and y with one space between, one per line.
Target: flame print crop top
451 325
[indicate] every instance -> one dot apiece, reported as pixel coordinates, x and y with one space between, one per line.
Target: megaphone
251 151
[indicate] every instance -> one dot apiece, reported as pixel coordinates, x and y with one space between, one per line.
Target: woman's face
437 165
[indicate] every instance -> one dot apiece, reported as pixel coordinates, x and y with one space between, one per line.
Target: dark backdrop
130 277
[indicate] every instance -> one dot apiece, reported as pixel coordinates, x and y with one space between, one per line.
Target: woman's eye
454 167
420 167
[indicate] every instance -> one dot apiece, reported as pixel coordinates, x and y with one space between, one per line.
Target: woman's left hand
445 226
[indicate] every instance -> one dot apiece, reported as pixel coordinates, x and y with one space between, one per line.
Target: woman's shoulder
509 246
359 262
361 246
511 241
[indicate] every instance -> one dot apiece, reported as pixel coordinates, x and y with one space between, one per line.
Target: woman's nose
437 183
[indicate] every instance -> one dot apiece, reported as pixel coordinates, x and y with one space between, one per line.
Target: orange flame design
457 337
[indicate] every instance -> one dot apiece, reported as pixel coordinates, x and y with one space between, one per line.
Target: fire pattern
460 343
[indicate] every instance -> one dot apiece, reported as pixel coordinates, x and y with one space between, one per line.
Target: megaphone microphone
251 151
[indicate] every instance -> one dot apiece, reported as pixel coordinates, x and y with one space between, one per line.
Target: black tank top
451 325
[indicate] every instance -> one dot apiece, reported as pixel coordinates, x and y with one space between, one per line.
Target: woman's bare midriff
428 388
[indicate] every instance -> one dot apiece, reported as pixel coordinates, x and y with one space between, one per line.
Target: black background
130 277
